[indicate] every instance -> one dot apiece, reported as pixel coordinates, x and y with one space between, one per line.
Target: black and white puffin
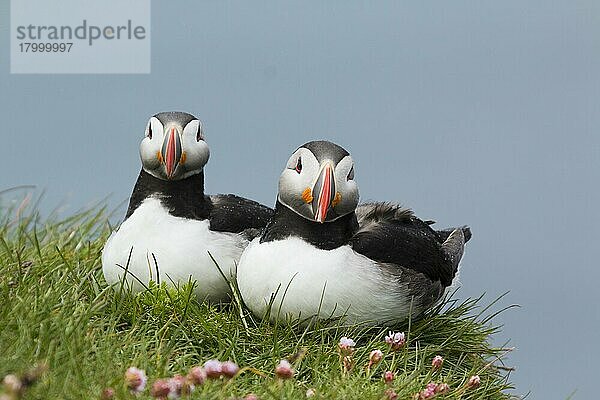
171 225
323 255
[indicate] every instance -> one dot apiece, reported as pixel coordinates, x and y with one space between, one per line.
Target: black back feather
391 234
231 213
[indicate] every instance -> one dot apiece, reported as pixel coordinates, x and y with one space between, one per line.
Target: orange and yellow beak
171 150
323 193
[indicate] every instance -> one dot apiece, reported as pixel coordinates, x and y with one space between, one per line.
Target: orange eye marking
183 157
336 199
307 195
159 156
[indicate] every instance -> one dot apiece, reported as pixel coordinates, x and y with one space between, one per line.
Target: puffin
172 231
323 256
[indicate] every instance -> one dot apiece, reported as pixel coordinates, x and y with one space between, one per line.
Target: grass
57 310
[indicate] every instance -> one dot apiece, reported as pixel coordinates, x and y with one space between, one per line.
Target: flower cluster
15 386
161 389
135 380
215 369
396 340
346 345
172 388
437 362
197 376
284 370
375 357
474 381
432 389
12 384
346 349
388 377
212 369
107 394
178 385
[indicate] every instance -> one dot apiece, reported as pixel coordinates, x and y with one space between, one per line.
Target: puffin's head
174 146
318 182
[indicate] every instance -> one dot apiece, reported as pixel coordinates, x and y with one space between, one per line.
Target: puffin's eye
299 165
149 131
199 135
350 174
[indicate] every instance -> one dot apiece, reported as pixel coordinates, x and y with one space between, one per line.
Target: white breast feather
181 249
327 283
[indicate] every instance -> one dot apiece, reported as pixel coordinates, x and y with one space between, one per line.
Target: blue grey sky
481 113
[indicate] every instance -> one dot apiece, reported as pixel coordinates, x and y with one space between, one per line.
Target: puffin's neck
183 198
326 236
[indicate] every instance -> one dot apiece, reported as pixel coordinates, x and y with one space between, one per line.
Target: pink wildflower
284 370
12 384
375 357
474 381
135 379
251 396
161 388
428 392
431 386
346 345
178 386
311 392
388 377
395 339
197 376
229 369
437 362
390 394
107 394
213 369
442 388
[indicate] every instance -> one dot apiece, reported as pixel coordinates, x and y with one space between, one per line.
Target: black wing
391 234
231 213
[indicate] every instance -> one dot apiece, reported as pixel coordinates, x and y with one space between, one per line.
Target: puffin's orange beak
171 149
324 193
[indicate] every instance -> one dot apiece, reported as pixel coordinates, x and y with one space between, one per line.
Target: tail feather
454 247
445 233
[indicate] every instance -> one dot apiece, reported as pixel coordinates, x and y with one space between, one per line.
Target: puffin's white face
170 151
319 189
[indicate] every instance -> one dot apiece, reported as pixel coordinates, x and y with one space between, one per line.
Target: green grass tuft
56 309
